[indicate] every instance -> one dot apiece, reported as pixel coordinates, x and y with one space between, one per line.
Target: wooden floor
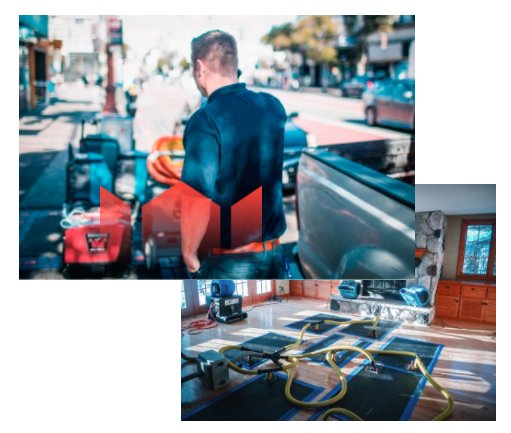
466 366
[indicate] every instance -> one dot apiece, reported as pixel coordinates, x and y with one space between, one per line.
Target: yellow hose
342 411
293 361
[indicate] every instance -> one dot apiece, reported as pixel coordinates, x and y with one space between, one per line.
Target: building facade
33 61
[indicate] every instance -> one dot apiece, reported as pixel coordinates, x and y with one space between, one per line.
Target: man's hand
195 211
192 262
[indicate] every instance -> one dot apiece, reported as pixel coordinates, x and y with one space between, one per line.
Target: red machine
101 236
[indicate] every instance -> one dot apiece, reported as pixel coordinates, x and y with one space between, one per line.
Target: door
243 289
187 298
471 309
383 101
490 312
296 287
24 80
447 306
403 103
323 289
263 290
193 297
309 288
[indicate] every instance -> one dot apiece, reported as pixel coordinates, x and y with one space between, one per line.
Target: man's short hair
218 49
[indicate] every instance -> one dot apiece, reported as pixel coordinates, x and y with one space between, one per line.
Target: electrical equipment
225 306
227 309
416 296
222 288
213 368
350 289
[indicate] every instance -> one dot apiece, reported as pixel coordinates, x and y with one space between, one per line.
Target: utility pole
110 105
114 28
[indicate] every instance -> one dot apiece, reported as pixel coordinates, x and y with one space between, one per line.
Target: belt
253 247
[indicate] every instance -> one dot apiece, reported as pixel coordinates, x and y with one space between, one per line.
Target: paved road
332 119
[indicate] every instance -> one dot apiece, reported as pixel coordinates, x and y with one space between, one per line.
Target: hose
160 163
191 376
294 360
450 402
342 411
78 217
188 358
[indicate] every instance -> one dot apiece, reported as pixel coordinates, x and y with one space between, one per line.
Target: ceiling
456 199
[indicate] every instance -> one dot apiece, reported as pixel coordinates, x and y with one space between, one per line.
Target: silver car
391 103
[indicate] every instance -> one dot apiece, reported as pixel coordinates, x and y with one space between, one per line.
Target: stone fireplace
430 241
429 244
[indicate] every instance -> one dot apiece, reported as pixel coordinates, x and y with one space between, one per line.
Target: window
263 286
476 258
241 287
183 297
203 287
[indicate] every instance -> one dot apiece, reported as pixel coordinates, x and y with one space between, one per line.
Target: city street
160 108
331 119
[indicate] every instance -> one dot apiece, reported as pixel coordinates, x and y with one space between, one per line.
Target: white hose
78 217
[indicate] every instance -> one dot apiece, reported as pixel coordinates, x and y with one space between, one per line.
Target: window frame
493 247
193 307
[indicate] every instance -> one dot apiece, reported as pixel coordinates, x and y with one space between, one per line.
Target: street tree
362 26
184 64
313 37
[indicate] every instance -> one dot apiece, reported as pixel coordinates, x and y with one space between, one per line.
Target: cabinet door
471 309
309 288
492 293
296 288
473 291
447 306
446 288
323 288
490 312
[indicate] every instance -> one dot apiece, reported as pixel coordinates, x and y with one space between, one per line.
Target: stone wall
430 234
371 308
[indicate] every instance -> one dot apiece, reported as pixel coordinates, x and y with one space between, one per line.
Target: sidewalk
43 145
44 137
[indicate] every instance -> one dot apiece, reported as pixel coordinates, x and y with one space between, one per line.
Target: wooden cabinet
318 289
309 289
466 301
448 289
471 309
296 288
478 292
492 294
490 312
447 306
323 289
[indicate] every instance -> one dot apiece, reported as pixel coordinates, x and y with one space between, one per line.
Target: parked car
391 103
356 86
355 205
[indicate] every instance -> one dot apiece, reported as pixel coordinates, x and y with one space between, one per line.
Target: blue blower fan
350 289
222 288
415 296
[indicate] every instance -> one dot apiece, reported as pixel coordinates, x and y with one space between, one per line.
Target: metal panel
349 229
